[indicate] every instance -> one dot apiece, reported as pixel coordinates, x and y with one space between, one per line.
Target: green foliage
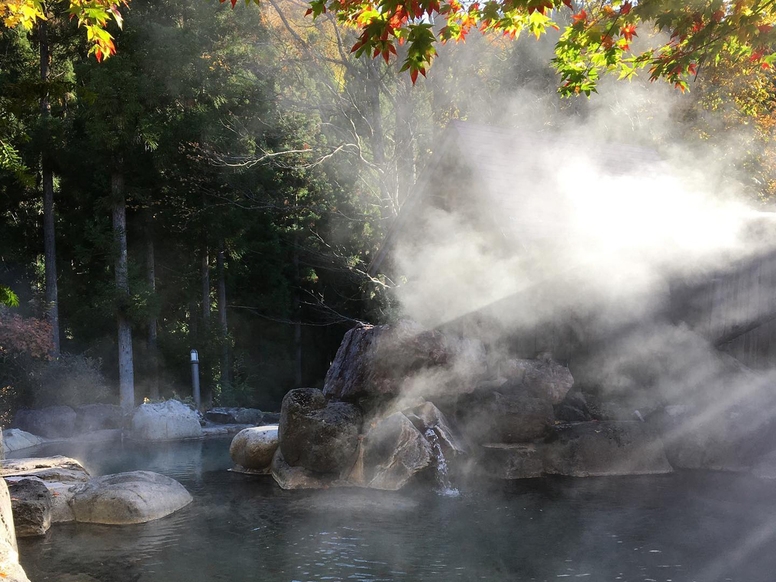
597 36
8 297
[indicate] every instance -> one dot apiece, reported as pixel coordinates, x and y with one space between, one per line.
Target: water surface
702 527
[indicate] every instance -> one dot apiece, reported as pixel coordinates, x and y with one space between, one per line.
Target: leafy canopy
597 36
93 15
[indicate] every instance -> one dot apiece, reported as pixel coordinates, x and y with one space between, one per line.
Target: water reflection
677 528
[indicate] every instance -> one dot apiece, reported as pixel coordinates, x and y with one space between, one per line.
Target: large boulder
426 417
125 498
61 494
290 478
509 417
376 360
512 461
584 449
541 377
54 422
574 408
15 439
392 452
253 448
58 468
318 435
32 503
590 449
162 421
9 556
705 438
94 417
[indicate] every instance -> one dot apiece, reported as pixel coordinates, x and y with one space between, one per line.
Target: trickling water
444 487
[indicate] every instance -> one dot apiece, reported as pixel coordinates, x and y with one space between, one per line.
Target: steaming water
685 527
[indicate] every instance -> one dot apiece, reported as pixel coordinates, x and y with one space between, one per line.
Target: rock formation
162 421
252 448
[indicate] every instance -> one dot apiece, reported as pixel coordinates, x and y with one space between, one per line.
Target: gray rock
253 448
541 377
54 422
249 416
722 441
375 360
58 468
270 418
94 417
124 498
162 421
9 556
516 461
15 439
585 449
62 494
765 468
427 416
290 478
574 408
317 435
393 451
222 415
513 417
589 449
31 502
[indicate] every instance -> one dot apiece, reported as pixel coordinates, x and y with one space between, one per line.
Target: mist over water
592 219
702 527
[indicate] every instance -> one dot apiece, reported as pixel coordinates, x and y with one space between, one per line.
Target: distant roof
499 158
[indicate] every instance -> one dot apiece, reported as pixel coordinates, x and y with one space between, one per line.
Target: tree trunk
47 177
224 330
405 139
298 352
205 271
153 351
126 372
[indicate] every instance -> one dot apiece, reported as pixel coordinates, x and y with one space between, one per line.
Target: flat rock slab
16 439
513 461
125 498
57 468
598 449
584 449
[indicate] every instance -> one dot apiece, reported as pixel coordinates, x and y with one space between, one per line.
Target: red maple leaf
628 32
580 16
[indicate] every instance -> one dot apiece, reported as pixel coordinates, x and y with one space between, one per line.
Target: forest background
223 181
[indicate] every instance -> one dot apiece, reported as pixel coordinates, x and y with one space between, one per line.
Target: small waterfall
444 487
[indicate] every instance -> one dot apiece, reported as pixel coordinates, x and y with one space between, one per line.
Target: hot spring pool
686 527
